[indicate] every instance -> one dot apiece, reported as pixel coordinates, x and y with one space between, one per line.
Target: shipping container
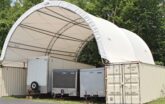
134 83
92 82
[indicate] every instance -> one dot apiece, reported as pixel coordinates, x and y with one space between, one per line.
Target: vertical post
105 83
122 83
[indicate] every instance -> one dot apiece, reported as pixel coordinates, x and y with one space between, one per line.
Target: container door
131 84
114 91
122 82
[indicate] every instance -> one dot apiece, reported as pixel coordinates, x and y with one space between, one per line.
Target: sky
14 1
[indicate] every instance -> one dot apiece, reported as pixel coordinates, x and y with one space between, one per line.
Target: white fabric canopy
61 30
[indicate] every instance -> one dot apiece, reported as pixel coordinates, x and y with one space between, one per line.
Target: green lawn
159 101
62 101
59 101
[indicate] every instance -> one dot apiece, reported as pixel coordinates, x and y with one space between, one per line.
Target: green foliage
8 15
90 54
4 4
144 17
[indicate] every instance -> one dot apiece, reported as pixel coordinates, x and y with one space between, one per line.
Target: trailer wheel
34 85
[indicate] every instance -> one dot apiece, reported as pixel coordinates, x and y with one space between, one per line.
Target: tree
4 4
144 17
90 54
8 15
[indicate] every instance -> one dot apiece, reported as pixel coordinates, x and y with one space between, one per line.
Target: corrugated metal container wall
152 82
12 81
134 83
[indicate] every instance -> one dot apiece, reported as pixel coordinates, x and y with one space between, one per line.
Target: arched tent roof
60 29
141 50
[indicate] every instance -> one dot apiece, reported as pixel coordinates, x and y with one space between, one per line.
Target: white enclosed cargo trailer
39 74
92 82
134 83
65 82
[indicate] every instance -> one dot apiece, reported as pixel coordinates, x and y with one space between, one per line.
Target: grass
59 101
158 101
78 101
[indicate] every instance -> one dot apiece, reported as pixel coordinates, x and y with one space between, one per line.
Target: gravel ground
19 101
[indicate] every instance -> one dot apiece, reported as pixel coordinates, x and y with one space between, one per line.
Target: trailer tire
34 85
